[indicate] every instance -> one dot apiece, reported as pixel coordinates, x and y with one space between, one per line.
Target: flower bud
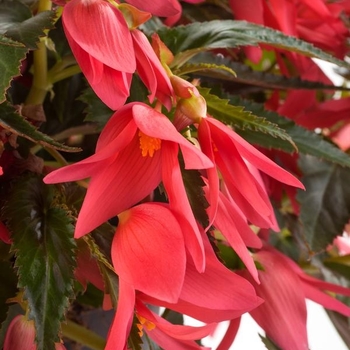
133 16
20 334
163 53
183 88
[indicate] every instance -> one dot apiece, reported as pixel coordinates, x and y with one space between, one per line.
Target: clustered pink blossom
162 255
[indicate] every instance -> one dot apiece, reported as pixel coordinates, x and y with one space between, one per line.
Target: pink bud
20 334
133 16
161 50
183 88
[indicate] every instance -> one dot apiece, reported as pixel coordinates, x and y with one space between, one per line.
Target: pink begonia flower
284 287
104 50
148 255
315 21
109 52
21 335
237 160
136 150
215 301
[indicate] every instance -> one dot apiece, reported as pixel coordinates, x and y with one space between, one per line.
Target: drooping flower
235 158
111 50
318 22
136 150
148 255
284 287
209 296
104 50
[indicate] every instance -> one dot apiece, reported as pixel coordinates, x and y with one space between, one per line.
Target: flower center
144 323
148 144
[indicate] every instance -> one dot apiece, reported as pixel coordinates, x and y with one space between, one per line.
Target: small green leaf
12 121
238 117
325 205
194 188
189 40
306 141
44 247
339 264
11 55
269 344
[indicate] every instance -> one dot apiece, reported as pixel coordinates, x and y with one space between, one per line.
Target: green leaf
187 41
237 116
18 24
245 75
30 31
44 247
269 344
15 123
173 316
96 111
12 13
11 55
339 264
325 205
306 141
194 188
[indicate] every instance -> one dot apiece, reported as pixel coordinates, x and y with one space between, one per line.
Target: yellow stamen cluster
148 144
144 323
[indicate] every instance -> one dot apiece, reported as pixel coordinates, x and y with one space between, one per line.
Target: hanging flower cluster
184 192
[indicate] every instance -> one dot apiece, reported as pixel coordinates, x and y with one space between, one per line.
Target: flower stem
57 155
40 85
82 335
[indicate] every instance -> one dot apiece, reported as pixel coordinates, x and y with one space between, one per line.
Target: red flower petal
111 85
148 251
283 315
101 30
162 8
151 71
122 322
